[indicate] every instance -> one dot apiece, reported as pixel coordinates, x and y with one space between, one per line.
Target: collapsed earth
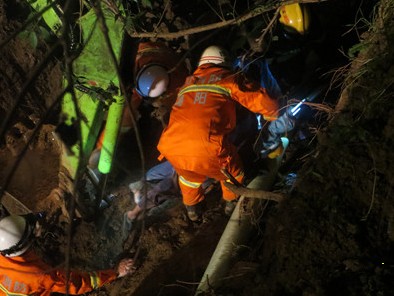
314 219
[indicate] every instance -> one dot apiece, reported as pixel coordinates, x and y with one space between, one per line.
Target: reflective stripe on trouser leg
192 192
227 193
95 281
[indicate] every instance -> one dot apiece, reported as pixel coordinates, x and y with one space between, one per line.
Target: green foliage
356 49
131 22
37 29
33 33
30 37
147 3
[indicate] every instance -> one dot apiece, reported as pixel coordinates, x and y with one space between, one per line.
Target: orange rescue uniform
29 275
196 140
157 53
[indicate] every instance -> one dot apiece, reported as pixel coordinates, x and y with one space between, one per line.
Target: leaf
33 40
30 37
44 33
146 3
355 49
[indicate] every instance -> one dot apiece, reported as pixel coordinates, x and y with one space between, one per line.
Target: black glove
276 129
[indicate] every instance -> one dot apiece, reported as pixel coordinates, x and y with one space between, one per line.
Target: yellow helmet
295 18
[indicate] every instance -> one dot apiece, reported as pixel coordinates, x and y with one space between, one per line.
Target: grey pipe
238 228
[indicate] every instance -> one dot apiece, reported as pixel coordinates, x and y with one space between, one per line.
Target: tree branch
255 193
251 14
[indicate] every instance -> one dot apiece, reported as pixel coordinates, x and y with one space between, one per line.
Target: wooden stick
255 193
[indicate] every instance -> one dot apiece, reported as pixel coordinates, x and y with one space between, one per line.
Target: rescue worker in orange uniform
158 72
23 272
196 140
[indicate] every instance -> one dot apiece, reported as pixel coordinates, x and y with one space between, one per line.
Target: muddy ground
333 235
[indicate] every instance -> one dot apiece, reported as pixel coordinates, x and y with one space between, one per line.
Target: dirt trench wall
19 58
335 234
25 98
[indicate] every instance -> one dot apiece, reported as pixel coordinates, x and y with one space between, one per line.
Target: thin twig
251 14
162 16
68 66
374 184
269 27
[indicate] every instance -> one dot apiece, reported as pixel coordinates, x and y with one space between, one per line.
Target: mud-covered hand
125 267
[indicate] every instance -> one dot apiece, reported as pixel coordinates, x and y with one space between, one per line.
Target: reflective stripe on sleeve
205 87
150 50
270 118
8 293
241 174
188 183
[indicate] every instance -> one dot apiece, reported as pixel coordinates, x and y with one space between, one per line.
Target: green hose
112 127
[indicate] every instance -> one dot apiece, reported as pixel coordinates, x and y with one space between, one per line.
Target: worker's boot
229 207
194 212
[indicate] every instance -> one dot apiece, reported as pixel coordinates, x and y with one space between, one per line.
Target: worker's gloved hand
273 151
293 111
272 145
277 152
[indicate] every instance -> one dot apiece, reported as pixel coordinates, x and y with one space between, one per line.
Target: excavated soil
333 235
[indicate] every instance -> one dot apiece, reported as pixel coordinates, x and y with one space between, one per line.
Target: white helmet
15 235
213 54
152 81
